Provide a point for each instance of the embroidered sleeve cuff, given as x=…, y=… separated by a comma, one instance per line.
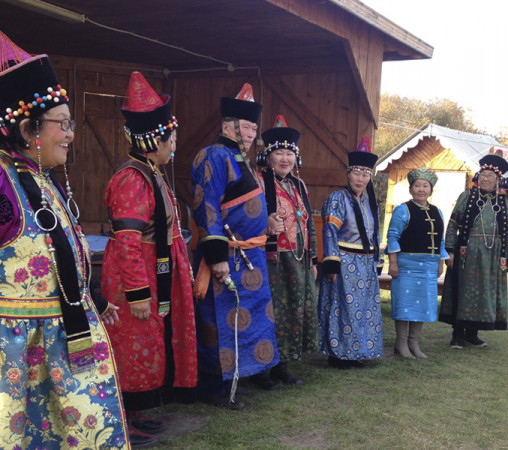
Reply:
x=138, y=295
x=331, y=264
x=215, y=249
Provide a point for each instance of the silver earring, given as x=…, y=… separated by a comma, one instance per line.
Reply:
x=27, y=144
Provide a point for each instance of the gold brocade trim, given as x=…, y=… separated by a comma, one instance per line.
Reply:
x=32, y=308
x=352, y=246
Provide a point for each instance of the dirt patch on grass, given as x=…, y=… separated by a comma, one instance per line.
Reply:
x=179, y=423
x=310, y=439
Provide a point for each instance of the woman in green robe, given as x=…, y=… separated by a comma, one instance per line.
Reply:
x=291, y=249
x=475, y=291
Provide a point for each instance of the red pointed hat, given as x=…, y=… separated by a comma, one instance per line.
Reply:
x=147, y=114
x=242, y=106
x=28, y=85
x=140, y=96
x=362, y=158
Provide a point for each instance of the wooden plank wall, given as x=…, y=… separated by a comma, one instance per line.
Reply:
x=364, y=48
x=323, y=104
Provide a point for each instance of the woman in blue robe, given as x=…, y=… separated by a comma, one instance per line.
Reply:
x=416, y=254
x=349, y=308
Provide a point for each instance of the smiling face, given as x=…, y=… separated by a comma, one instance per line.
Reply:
x=54, y=140
x=358, y=180
x=282, y=161
x=487, y=180
x=421, y=191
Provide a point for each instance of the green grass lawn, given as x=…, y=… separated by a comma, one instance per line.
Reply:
x=456, y=399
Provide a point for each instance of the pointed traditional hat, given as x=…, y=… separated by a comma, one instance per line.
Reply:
x=28, y=85
x=147, y=114
x=362, y=158
x=242, y=106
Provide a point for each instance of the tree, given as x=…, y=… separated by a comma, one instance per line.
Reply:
x=400, y=117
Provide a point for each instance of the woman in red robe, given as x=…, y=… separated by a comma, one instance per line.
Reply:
x=146, y=272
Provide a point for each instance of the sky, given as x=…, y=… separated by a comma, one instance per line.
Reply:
x=470, y=60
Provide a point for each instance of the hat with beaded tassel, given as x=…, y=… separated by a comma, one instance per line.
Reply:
x=28, y=85
x=280, y=136
x=147, y=114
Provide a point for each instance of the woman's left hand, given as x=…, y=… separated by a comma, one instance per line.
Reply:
x=110, y=316
x=275, y=224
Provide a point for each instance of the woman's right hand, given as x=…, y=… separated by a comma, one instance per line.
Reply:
x=393, y=269
x=140, y=310
x=220, y=271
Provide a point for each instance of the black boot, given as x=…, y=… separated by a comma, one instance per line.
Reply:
x=281, y=372
x=471, y=337
x=457, y=338
x=263, y=381
x=138, y=438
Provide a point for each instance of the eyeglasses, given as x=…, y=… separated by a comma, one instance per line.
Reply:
x=487, y=176
x=65, y=124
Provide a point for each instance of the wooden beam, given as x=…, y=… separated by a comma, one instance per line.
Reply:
x=318, y=13
x=360, y=85
x=314, y=123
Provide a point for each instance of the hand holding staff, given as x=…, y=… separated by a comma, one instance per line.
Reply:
x=240, y=250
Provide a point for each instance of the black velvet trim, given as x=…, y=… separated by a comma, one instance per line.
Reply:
x=95, y=292
x=226, y=142
x=472, y=325
x=74, y=317
x=315, y=261
x=215, y=250
x=128, y=224
x=330, y=266
x=137, y=295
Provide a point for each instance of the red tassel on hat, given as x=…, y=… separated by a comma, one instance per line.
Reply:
x=364, y=145
x=9, y=51
x=140, y=95
x=280, y=122
x=246, y=93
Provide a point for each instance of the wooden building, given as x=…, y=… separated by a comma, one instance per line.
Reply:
x=452, y=154
x=318, y=62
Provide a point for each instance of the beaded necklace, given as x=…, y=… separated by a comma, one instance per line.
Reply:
x=496, y=208
x=86, y=268
x=298, y=207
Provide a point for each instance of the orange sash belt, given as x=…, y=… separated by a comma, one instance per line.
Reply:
x=204, y=274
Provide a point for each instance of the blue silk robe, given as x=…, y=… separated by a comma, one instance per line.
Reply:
x=349, y=308
x=227, y=192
